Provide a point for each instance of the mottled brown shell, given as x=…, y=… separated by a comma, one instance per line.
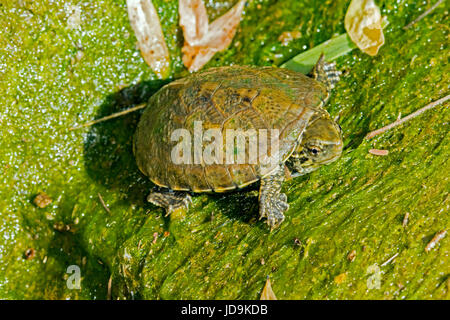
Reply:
x=235, y=97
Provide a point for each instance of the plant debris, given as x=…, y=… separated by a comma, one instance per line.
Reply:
x=437, y=237
x=147, y=28
x=405, y=220
x=201, y=39
x=61, y=226
x=42, y=200
x=378, y=152
x=103, y=203
x=399, y=121
x=389, y=260
x=267, y=293
x=423, y=15
x=331, y=49
x=111, y=116
x=351, y=256
x=363, y=23
x=29, y=254
x=340, y=278
x=288, y=36
x=108, y=295
x=155, y=237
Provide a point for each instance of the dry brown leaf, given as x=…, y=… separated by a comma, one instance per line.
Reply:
x=222, y=30
x=267, y=293
x=193, y=20
x=203, y=40
x=363, y=23
x=147, y=28
x=194, y=58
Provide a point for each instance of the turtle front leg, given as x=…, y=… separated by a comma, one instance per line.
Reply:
x=169, y=199
x=326, y=72
x=273, y=203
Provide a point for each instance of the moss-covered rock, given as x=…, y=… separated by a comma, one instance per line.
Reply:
x=59, y=69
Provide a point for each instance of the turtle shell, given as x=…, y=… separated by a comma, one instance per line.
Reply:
x=235, y=97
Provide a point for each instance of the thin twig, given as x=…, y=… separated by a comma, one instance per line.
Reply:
x=408, y=117
x=405, y=219
x=423, y=15
x=103, y=203
x=437, y=237
x=111, y=116
x=390, y=259
x=108, y=295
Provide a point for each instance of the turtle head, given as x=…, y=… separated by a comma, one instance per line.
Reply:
x=321, y=144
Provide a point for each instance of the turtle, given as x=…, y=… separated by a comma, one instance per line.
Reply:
x=287, y=103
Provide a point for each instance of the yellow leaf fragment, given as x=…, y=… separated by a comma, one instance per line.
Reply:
x=147, y=28
x=267, y=293
x=363, y=23
x=201, y=39
x=340, y=278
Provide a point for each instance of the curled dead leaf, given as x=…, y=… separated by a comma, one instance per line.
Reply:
x=201, y=39
x=147, y=28
x=267, y=293
x=363, y=23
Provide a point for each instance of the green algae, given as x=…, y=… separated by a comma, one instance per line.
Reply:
x=54, y=77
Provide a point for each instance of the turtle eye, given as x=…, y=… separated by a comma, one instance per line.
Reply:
x=314, y=150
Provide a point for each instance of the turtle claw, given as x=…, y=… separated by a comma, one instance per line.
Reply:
x=273, y=209
x=170, y=200
x=272, y=202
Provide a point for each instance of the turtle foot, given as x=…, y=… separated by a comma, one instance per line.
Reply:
x=326, y=72
x=170, y=200
x=273, y=208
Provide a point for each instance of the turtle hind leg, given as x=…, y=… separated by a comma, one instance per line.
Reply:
x=169, y=200
x=326, y=73
x=273, y=203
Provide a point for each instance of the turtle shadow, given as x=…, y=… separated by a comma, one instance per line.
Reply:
x=108, y=152
x=241, y=204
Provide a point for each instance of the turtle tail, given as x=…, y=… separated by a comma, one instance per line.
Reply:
x=326, y=72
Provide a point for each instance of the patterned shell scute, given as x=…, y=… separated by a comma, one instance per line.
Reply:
x=238, y=97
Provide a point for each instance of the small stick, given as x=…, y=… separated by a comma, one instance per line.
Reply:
x=111, y=116
x=408, y=117
x=438, y=237
x=103, y=203
x=423, y=15
x=405, y=219
x=390, y=259
x=108, y=295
